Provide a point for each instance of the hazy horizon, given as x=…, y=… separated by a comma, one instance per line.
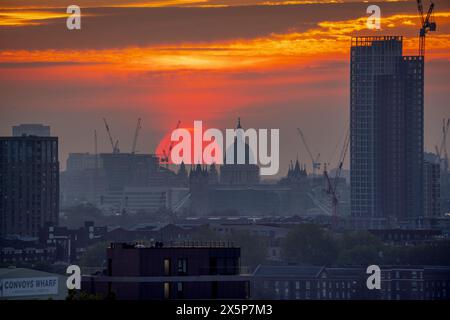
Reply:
x=274, y=66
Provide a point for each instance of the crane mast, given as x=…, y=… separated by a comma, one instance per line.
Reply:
x=95, y=152
x=166, y=155
x=426, y=25
x=115, y=146
x=445, y=129
x=315, y=161
x=332, y=185
x=136, y=134
x=441, y=150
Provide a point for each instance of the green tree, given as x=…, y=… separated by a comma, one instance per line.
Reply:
x=309, y=244
x=359, y=248
x=352, y=239
x=253, y=248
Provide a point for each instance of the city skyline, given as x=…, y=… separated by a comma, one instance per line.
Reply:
x=231, y=152
x=269, y=64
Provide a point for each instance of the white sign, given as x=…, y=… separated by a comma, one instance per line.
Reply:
x=28, y=286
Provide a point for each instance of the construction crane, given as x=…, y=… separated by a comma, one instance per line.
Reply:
x=115, y=146
x=166, y=155
x=332, y=185
x=136, y=134
x=314, y=160
x=96, y=152
x=441, y=150
x=428, y=24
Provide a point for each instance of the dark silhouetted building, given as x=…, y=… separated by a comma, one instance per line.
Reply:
x=83, y=181
x=29, y=184
x=136, y=182
x=407, y=237
x=237, y=189
x=71, y=244
x=15, y=252
x=128, y=169
x=209, y=198
x=309, y=283
x=431, y=186
x=246, y=173
x=173, y=272
x=349, y=283
x=386, y=150
x=31, y=130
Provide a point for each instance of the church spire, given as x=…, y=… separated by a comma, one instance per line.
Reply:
x=239, y=124
x=297, y=170
x=290, y=171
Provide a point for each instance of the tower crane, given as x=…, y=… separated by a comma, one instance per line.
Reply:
x=115, y=146
x=136, y=134
x=441, y=150
x=166, y=155
x=315, y=161
x=332, y=185
x=427, y=24
x=96, y=152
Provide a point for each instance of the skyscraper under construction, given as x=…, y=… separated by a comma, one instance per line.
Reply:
x=386, y=123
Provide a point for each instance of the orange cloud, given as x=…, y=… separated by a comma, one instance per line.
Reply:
x=296, y=2
x=161, y=3
x=20, y=18
x=329, y=38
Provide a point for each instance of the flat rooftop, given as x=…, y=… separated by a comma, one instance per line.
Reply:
x=174, y=245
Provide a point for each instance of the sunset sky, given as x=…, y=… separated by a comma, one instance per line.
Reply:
x=275, y=64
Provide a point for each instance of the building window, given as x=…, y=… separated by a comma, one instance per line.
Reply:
x=167, y=267
x=286, y=289
x=180, y=294
x=182, y=266
x=166, y=290
x=277, y=289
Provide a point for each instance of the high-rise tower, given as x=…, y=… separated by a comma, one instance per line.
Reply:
x=29, y=184
x=386, y=112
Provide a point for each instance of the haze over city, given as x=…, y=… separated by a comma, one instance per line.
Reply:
x=266, y=62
